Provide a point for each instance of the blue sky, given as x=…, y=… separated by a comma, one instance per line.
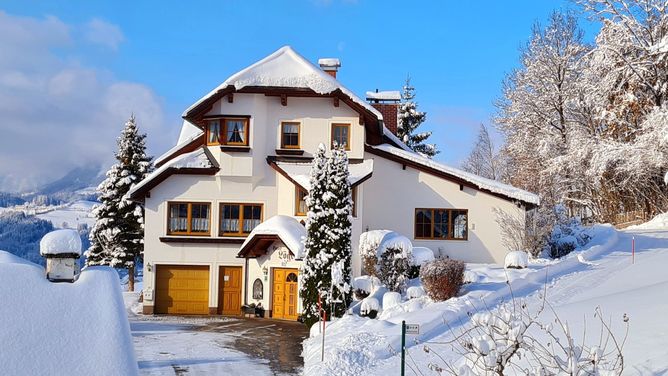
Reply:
x=457, y=52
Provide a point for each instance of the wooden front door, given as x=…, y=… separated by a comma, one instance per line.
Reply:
x=182, y=290
x=285, y=294
x=229, y=290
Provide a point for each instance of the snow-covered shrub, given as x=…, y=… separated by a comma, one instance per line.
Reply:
x=516, y=260
x=567, y=234
x=442, y=278
x=415, y=292
x=369, y=243
x=369, y=308
x=470, y=276
x=391, y=299
x=420, y=256
x=363, y=286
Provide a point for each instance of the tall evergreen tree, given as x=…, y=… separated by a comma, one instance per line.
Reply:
x=339, y=205
x=117, y=238
x=329, y=228
x=409, y=120
x=314, y=276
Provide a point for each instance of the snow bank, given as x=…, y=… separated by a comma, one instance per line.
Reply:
x=366, y=283
x=516, y=260
x=288, y=229
x=369, y=304
x=78, y=328
x=60, y=242
x=659, y=222
x=422, y=255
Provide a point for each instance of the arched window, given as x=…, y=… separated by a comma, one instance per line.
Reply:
x=258, y=289
x=292, y=277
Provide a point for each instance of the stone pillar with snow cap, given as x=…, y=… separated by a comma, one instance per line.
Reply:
x=61, y=249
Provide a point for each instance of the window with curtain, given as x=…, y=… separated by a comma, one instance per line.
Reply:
x=341, y=135
x=300, y=201
x=447, y=224
x=213, y=132
x=236, y=131
x=188, y=218
x=290, y=135
x=239, y=219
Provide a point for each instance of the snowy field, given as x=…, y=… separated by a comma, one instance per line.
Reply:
x=71, y=215
x=601, y=275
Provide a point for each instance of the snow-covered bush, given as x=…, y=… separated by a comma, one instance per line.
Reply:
x=415, y=292
x=369, y=243
x=420, y=256
x=391, y=299
x=516, y=260
x=442, y=278
x=567, y=234
x=514, y=340
x=363, y=286
x=369, y=308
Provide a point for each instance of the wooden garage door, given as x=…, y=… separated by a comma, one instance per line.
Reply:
x=182, y=289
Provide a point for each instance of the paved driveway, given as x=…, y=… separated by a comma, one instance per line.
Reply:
x=168, y=345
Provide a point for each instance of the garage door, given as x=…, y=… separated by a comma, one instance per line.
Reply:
x=182, y=290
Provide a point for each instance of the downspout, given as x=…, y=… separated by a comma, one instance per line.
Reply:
x=246, y=282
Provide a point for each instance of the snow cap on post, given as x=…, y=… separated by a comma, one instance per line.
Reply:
x=61, y=243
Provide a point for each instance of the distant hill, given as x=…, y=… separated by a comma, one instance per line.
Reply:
x=78, y=178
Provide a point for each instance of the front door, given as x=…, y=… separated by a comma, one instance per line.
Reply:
x=229, y=290
x=285, y=294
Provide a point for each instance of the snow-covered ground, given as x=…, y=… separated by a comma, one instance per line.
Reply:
x=601, y=275
x=69, y=215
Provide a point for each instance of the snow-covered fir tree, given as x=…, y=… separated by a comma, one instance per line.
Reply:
x=409, y=119
x=338, y=202
x=117, y=238
x=328, y=227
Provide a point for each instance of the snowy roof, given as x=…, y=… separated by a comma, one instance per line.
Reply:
x=300, y=171
x=189, y=133
x=383, y=95
x=198, y=159
x=329, y=62
x=286, y=68
x=287, y=229
x=482, y=183
x=60, y=242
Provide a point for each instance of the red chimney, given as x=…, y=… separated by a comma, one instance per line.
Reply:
x=330, y=65
x=387, y=103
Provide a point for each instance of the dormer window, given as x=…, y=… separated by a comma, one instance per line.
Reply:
x=341, y=135
x=227, y=131
x=290, y=135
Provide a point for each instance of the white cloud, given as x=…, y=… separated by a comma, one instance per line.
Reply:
x=55, y=113
x=103, y=33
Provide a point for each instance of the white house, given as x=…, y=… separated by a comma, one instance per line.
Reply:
x=213, y=239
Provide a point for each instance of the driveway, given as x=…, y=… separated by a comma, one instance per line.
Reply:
x=173, y=345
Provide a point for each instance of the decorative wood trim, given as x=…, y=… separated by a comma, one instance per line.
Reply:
x=336, y=101
x=289, y=152
x=230, y=98
x=284, y=99
x=183, y=239
x=441, y=174
x=235, y=149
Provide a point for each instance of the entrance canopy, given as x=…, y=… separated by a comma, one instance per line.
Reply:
x=281, y=227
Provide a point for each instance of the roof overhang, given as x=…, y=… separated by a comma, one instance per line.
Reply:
x=258, y=246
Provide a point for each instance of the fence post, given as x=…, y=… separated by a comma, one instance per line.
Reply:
x=403, y=347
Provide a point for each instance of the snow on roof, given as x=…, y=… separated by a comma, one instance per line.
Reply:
x=392, y=137
x=63, y=328
x=482, y=183
x=189, y=132
x=383, y=95
x=329, y=62
x=288, y=229
x=286, y=68
x=195, y=159
x=60, y=242
x=300, y=171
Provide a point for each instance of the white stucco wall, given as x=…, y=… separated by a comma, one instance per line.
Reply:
x=392, y=195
